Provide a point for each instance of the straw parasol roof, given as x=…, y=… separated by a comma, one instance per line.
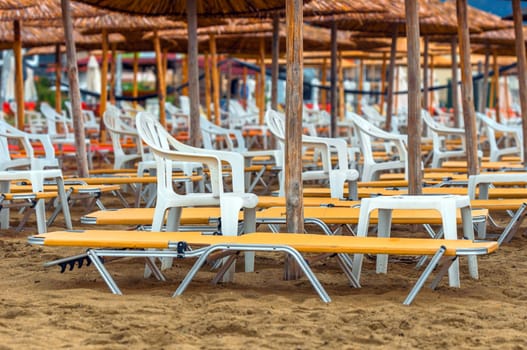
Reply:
x=479, y=18
x=120, y=22
x=15, y=4
x=30, y=36
x=433, y=19
x=505, y=37
x=177, y=8
x=46, y=9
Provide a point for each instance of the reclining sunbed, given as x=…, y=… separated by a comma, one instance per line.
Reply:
x=104, y=243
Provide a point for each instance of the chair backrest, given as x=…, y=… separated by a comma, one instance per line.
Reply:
x=89, y=119
x=31, y=160
x=216, y=137
x=511, y=142
x=53, y=118
x=121, y=129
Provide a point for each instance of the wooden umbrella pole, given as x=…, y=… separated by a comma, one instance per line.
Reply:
x=294, y=103
x=431, y=93
x=342, y=93
x=229, y=85
x=184, y=68
x=383, y=81
x=193, y=73
x=19, y=77
x=215, y=80
x=58, y=77
x=361, y=85
x=496, y=78
x=275, y=66
x=522, y=70
x=208, y=98
x=261, y=109
x=112, y=73
x=74, y=92
x=333, y=80
x=414, y=97
x=425, y=73
x=104, y=77
x=135, y=91
x=161, y=91
x=506, y=105
x=485, y=88
x=467, y=90
x=454, y=82
x=323, y=81
x=244, y=82
x=391, y=75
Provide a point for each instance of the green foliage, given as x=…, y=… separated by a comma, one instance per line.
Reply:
x=44, y=92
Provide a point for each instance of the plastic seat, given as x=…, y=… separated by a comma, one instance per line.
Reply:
x=325, y=146
x=440, y=134
x=31, y=160
x=90, y=121
x=167, y=149
x=511, y=140
x=393, y=143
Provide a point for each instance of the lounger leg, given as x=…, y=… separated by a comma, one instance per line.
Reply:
x=345, y=263
x=249, y=222
x=103, y=272
x=513, y=225
x=424, y=276
x=155, y=270
x=292, y=252
x=468, y=233
x=442, y=272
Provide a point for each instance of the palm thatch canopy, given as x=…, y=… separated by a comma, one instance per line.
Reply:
x=333, y=7
x=505, y=37
x=16, y=4
x=478, y=18
x=30, y=36
x=120, y=22
x=177, y=8
x=435, y=18
x=47, y=9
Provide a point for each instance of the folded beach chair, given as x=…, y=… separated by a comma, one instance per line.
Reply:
x=104, y=243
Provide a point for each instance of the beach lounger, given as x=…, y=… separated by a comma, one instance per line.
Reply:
x=103, y=243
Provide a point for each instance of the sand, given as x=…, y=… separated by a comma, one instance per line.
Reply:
x=42, y=308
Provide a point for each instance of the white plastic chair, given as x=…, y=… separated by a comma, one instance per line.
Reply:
x=336, y=176
x=511, y=140
x=394, y=143
x=167, y=149
x=90, y=121
x=31, y=161
x=36, y=123
x=440, y=134
x=121, y=131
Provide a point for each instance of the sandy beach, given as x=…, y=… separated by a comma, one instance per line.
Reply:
x=42, y=308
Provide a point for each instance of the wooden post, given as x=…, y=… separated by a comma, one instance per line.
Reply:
x=229, y=85
x=333, y=80
x=208, y=99
x=244, y=82
x=414, y=98
x=261, y=110
x=485, y=89
x=522, y=70
x=184, y=68
x=215, y=80
x=74, y=92
x=425, y=74
x=104, y=79
x=19, y=77
x=391, y=75
x=467, y=92
x=135, y=90
x=323, y=82
x=58, y=77
x=383, y=82
x=161, y=86
x=506, y=105
x=431, y=93
x=454, y=82
x=342, y=101
x=112, y=73
x=361, y=85
x=293, y=127
x=193, y=73
x=496, y=79
x=275, y=66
